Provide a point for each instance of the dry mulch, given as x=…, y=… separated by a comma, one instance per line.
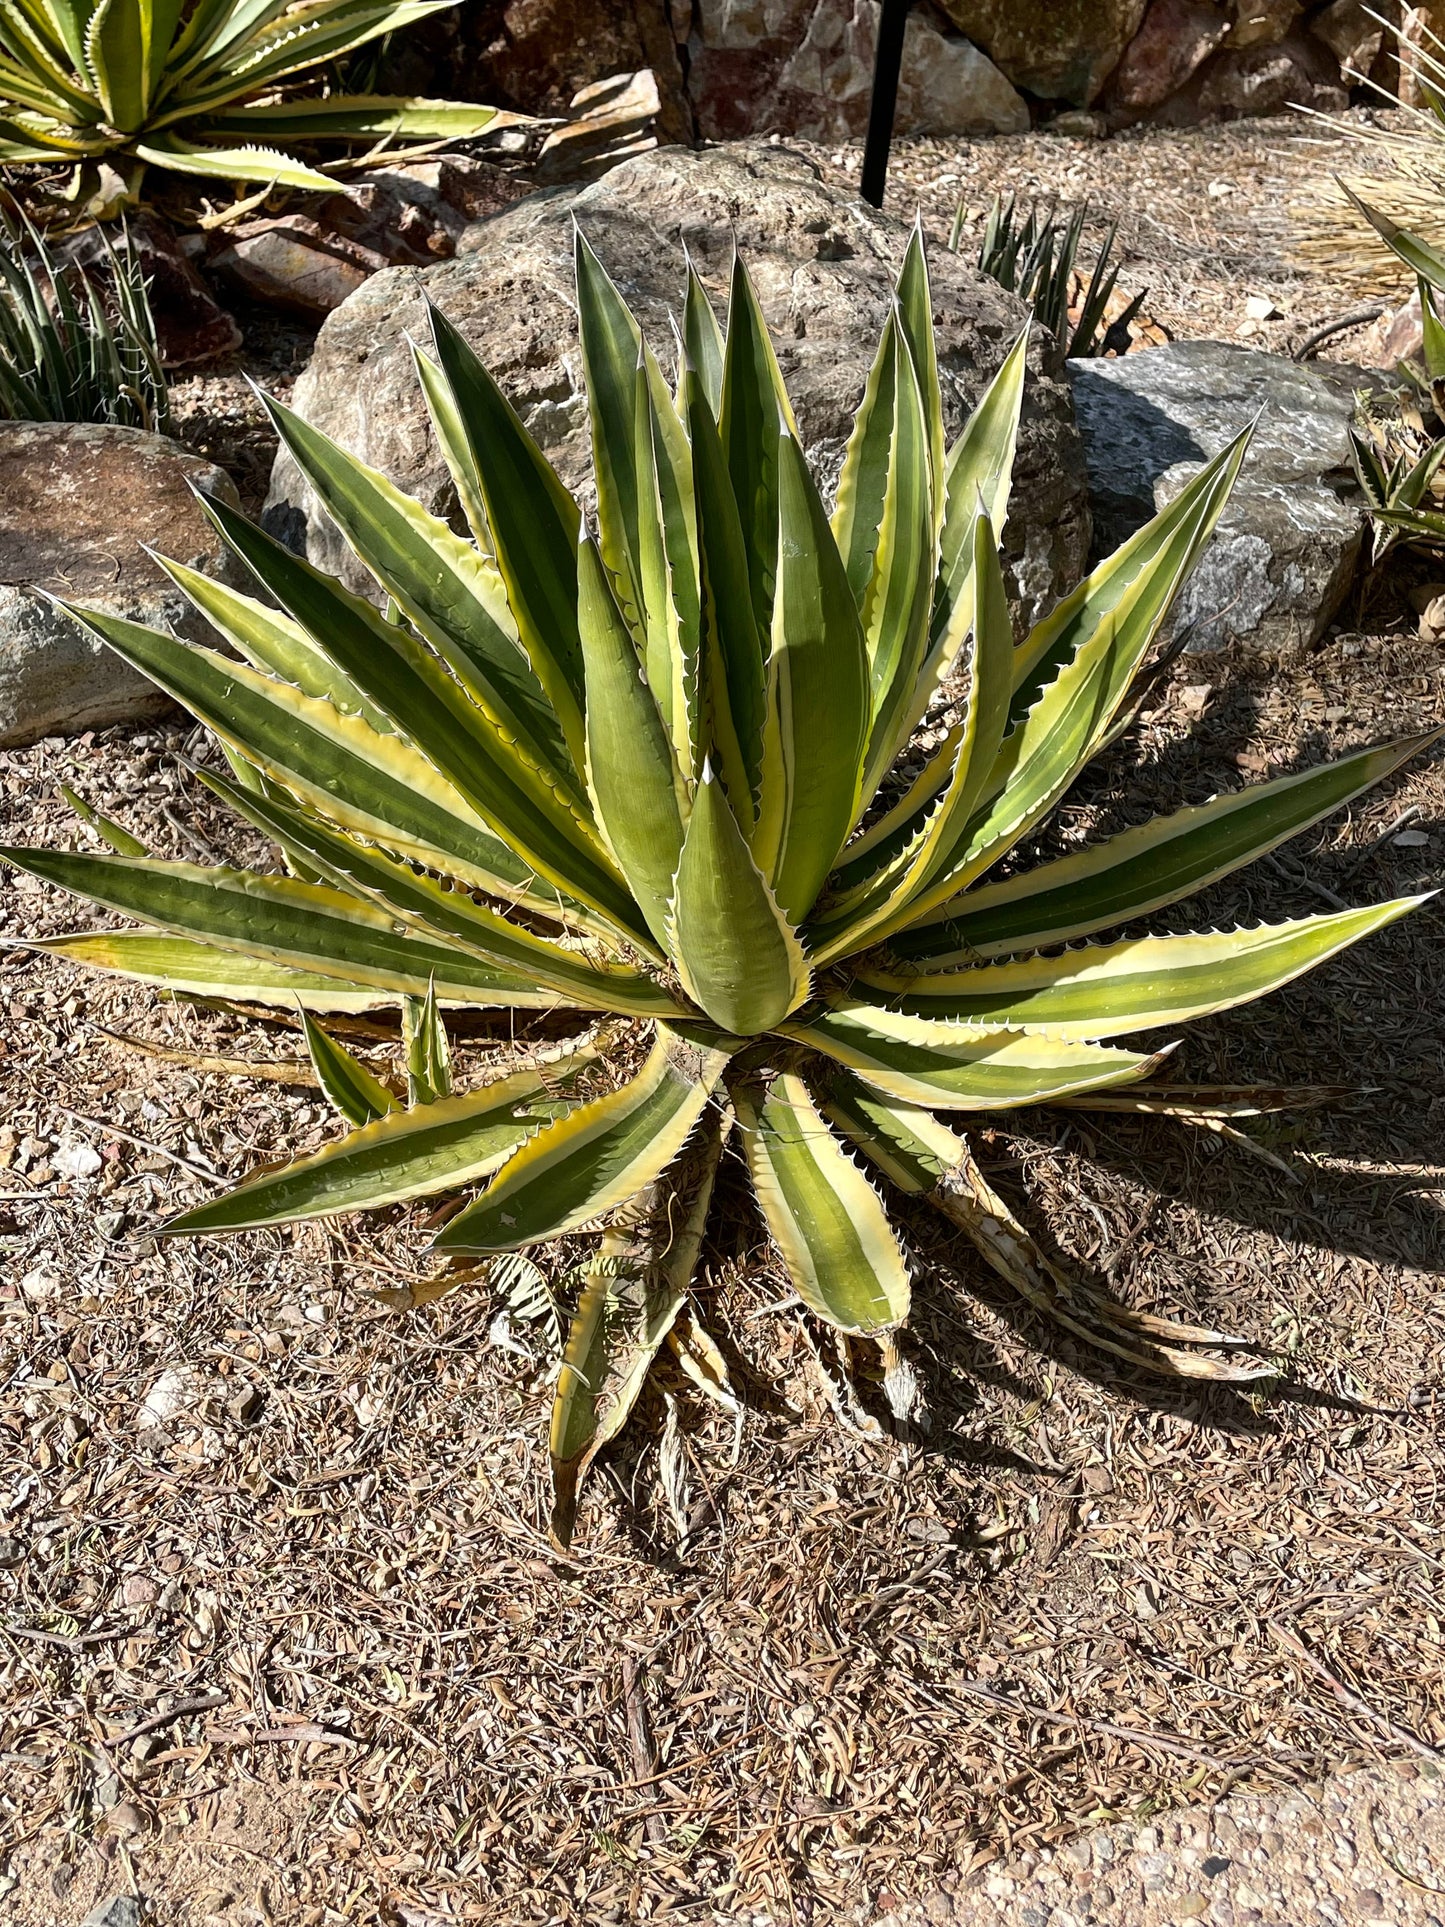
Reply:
x=281, y=1635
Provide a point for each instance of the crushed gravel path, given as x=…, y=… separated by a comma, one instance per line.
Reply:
x=1368, y=1847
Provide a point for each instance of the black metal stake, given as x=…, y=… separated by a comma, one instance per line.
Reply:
x=887, y=63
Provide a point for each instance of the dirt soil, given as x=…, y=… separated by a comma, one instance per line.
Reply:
x=282, y=1635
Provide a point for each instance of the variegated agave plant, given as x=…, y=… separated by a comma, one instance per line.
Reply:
x=199, y=86
x=654, y=773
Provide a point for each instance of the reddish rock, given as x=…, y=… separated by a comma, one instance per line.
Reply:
x=1299, y=72
x=295, y=264
x=1177, y=37
x=609, y=122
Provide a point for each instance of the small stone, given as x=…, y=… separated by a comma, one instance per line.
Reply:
x=1215, y=1865
x=177, y=1391
x=1191, y=1907
x=1146, y=1840
x=938, y=1906
x=12, y=1551
x=123, y=1910
x=1078, y=1852
x=77, y=1160
x=1270, y=1841
x=1259, y=307
x=1369, y=1903
x=246, y=1404
x=137, y=1590
x=126, y=1819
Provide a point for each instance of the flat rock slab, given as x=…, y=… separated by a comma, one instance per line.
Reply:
x=824, y=266
x=1289, y=541
x=78, y=502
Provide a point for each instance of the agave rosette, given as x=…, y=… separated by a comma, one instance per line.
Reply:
x=203, y=88
x=649, y=771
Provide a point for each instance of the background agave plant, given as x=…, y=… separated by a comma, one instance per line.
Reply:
x=195, y=88
x=72, y=352
x=650, y=772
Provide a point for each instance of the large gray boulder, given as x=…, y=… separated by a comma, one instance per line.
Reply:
x=78, y=504
x=824, y=265
x=1288, y=543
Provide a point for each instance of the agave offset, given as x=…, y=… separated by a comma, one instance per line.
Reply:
x=201, y=88
x=650, y=770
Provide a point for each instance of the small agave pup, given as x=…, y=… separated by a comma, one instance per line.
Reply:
x=649, y=772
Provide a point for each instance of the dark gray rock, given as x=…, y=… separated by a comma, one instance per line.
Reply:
x=824, y=265
x=1287, y=546
x=77, y=502
x=123, y=1910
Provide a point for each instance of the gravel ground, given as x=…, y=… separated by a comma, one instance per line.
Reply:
x=1367, y=1847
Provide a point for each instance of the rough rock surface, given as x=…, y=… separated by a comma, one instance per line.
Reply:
x=1287, y=545
x=823, y=263
x=535, y=55
x=1060, y=50
x=1176, y=38
x=77, y=502
x=805, y=67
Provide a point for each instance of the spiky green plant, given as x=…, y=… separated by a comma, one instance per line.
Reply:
x=201, y=86
x=651, y=772
x=71, y=351
x=1034, y=256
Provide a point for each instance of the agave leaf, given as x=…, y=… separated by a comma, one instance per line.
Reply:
x=428, y=1050
x=734, y=687
x=354, y=1091
x=372, y=784
x=1073, y=715
x=924, y=1157
x=734, y=950
x=434, y=912
x=349, y=117
x=533, y=523
x=1142, y=869
x=120, y=840
x=452, y=595
x=754, y=408
x=885, y=901
x=817, y=717
x=612, y=348
x=115, y=53
x=404, y=1155
x=915, y=317
x=1212, y=1100
x=473, y=747
x=598, y=1156
x=703, y=344
x=1142, y=575
x=1427, y=262
x=450, y=430
x=262, y=164
x=201, y=970
x=825, y=1217
x=884, y=527
x=669, y=578
x=281, y=920
x=1106, y=990
x=271, y=641
x=632, y=774
x=953, y=1069
x=632, y=1295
